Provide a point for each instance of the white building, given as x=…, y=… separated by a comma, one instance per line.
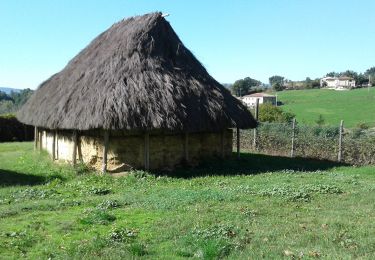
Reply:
x=337, y=83
x=250, y=100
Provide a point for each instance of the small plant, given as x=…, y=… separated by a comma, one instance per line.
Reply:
x=97, y=217
x=82, y=169
x=122, y=234
x=138, y=249
x=99, y=191
x=320, y=121
x=33, y=193
x=108, y=204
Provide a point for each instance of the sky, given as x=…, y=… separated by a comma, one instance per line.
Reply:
x=232, y=39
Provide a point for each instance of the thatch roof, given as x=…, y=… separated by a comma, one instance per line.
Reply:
x=137, y=75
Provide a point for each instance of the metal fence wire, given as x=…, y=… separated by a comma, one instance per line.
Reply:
x=318, y=142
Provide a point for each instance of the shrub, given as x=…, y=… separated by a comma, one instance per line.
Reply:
x=270, y=113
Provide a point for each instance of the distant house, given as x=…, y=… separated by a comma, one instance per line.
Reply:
x=337, y=83
x=250, y=100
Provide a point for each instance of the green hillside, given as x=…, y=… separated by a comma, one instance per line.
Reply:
x=354, y=107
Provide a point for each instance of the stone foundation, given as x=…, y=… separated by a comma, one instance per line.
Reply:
x=127, y=150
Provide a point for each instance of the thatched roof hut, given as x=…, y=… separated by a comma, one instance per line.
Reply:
x=136, y=77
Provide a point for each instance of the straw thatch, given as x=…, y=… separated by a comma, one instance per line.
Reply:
x=137, y=75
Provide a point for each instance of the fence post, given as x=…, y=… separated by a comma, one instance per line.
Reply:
x=339, y=156
x=256, y=114
x=293, y=136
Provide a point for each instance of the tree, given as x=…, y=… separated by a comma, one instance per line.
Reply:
x=332, y=74
x=361, y=80
x=270, y=113
x=277, y=82
x=370, y=74
x=244, y=86
x=12, y=102
x=20, y=98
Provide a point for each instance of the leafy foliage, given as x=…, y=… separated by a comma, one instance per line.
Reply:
x=277, y=82
x=245, y=86
x=270, y=113
x=12, y=102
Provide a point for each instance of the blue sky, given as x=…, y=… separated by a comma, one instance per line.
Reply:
x=233, y=39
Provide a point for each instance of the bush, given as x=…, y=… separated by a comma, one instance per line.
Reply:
x=270, y=113
x=13, y=130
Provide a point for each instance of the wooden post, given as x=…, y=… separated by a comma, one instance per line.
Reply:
x=36, y=138
x=57, y=144
x=147, y=151
x=54, y=145
x=186, y=147
x=40, y=140
x=339, y=156
x=105, y=150
x=75, y=141
x=238, y=142
x=256, y=114
x=293, y=136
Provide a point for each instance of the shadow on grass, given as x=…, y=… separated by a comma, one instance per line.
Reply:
x=11, y=178
x=249, y=164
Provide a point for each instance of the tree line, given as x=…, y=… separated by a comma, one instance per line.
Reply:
x=11, y=103
x=249, y=85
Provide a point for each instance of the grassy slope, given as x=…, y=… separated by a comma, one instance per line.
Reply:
x=355, y=106
x=264, y=207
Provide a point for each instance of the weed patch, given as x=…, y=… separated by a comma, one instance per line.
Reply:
x=94, y=216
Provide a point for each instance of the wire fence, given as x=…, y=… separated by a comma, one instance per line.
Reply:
x=356, y=147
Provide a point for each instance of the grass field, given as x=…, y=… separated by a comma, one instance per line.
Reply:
x=354, y=106
x=258, y=207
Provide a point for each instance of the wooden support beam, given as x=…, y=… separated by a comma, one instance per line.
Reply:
x=105, y=150
x=186, y=147
x=339, y=155
x=238, y=142
x=40, y=139
x=54, y=145
x=147, y=151
x=75, y=142
x=57, y=145
x=36, y=138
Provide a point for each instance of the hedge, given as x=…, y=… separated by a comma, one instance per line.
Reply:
x=13, y=130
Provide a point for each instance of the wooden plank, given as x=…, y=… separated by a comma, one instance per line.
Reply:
x=57, y=145
x=105, y=150
x=54, y=145
x=238, y=142
x=186, y=147
x=36, y=138
x=339, y=155
x=75, y=141
x=147, y=151
x=40, y=140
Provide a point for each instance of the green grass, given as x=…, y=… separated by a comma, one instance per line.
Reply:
x=354, y=106
x=258, y=207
